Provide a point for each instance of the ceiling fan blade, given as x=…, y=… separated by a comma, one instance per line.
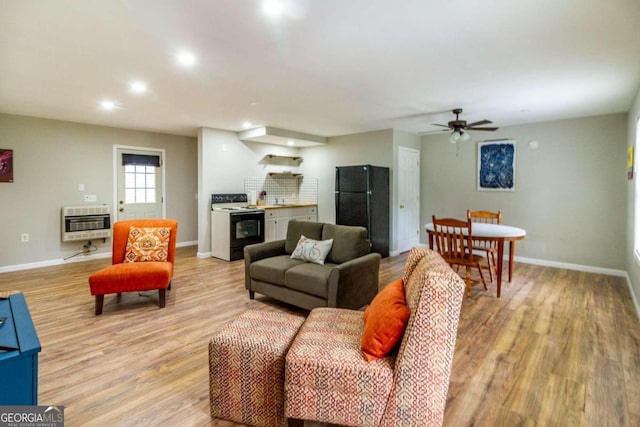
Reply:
x=481, y=122
x=437, y=124
x=468, y=128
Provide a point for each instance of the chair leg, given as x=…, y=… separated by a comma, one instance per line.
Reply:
x=162, y=296
x=252, y=295
x=484, y=282
x=99, y=302
x=169, y=287
x=491, y=265
x=467, y=280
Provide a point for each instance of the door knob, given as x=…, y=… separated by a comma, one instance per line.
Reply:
x=401, y=206
x=121, y=202
x=121, y=209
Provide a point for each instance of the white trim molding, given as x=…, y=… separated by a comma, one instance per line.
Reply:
x=80, y=258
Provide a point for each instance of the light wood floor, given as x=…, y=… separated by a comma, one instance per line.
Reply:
x=558, y=348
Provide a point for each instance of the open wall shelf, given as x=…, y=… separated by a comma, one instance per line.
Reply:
x=285, y=174
x=278, y=156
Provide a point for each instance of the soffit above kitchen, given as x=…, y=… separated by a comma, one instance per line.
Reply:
x=271, y=135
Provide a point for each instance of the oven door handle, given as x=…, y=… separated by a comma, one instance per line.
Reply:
x=246, y=213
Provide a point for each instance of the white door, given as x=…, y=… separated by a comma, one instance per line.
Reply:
x=408, y=198
x=139, y=187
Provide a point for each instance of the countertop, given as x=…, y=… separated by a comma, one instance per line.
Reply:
x=293, y=205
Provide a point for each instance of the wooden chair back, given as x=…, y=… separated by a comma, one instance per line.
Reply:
x=453, y=239
x=486, y=217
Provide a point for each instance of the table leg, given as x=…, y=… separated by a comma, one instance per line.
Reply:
x=499, y=268
x=512, y=250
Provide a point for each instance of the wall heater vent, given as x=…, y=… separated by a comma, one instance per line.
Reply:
x=85, y=222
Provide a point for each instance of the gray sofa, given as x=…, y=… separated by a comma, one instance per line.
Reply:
x=348, y=278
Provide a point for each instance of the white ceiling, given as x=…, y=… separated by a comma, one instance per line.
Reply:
x=328, y=67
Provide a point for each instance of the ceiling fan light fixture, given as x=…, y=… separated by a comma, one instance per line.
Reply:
x=459, y=135
x=455, y=137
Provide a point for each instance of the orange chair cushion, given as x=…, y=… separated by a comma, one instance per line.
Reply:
x=147, y=244
x=384, y=321
x=130, y=277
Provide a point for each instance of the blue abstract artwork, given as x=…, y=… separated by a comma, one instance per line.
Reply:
x=496, y=165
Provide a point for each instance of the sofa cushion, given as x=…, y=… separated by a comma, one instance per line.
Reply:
x=272, y=270
x=309, y=278
x=326, y=376
x=131, y=276
x=295, y=229
x=349, y=242
x=311, y=250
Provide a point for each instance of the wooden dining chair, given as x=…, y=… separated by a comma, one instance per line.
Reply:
x=490, y=248
x=452, y=241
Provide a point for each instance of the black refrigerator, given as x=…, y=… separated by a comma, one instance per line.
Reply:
x=362, y=198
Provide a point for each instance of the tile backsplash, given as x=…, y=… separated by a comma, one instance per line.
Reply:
x=285, y=188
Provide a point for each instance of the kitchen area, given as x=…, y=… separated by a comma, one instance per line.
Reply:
x=263, y=210
x=302, y=179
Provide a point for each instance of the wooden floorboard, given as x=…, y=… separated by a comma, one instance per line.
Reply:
x=559, y=347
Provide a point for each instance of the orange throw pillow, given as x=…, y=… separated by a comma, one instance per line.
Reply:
x=147, y=244
x=384, y=321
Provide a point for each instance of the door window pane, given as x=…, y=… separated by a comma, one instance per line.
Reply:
x=140, y=184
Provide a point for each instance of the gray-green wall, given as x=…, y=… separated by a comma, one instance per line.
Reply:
x=51, y=159
x=570, y=193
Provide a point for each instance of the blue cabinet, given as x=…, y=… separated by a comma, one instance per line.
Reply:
x=19, y=348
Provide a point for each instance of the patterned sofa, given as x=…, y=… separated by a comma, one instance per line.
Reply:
x=328, y=380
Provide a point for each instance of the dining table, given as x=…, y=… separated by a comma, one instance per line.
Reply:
x=498, y=233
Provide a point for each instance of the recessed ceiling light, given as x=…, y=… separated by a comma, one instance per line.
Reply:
x=273, y=8
x=108, y=105
x=246, y=125
x=291, y=142
x=138, y=87
x=186, y=59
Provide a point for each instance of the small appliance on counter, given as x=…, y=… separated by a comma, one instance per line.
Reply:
x=234, y=225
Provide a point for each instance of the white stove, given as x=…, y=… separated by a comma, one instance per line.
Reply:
x=234, y=225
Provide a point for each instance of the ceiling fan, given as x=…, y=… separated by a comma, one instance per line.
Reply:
x=460, y=128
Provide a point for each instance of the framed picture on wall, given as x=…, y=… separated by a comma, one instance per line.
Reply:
x=497, y=165
x=6, y=165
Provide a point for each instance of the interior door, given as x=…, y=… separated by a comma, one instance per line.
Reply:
x=408, y=198
x=139, y=187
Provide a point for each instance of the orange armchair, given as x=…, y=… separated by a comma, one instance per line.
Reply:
x=124, y=276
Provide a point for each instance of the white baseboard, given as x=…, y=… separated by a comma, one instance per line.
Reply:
x=633, y=296
x=51, y=262
x=569, y=266
x=203, y=254
x=79, y=258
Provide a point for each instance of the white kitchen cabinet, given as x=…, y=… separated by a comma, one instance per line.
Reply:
x=277, y=220
x=270, y=229
x=312, y=213
x=306, y=214
x=283, y=223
